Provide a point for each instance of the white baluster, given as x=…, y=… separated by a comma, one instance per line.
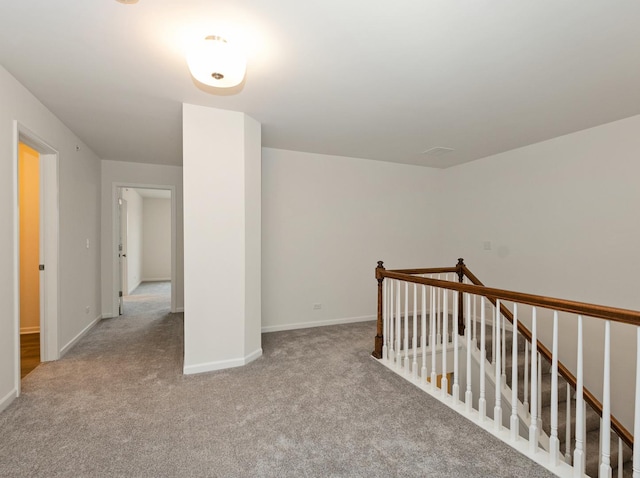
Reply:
x=475, y=320
x=414, y=340
x=385, y=318
x=390, y=354
x=444, y=383
x=636, y=416
x=468, y=396
x=398, y=326
x=504, y=347
x=584, y=428
x=482, y=402
x=514, y=425
x=497, y=409
x=620, y=458
x=605, y=431
x=495, y=341
x=539, y=392
x=525, y=402
x=434, y=339
x=578, y=453
x=438, y=318
x=599, y=443
x=533, y=426
x=456, y=384
x=554, y=442
x=423, y=342
x=567, y=440
x=405, y=364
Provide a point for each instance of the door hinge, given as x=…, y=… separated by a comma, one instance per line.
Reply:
x=119, y=293
x=41, y=267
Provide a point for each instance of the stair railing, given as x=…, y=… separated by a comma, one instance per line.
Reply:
x=431, y=309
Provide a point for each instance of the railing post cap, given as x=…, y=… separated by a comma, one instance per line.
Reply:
x=379, y=270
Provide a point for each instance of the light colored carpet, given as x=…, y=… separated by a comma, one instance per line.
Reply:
x=314, y=405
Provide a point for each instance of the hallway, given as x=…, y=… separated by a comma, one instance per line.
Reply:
x=149, y=298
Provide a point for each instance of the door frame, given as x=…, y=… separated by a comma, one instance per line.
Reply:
x=49, y=245
x=123, y=237
x=115, y=229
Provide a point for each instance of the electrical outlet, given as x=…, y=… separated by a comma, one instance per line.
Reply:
x=317, y=306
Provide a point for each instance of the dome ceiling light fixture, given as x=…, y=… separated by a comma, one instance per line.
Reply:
x=127, y=2
x=215, y=62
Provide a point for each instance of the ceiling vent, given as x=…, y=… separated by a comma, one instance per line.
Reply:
x=437, y=151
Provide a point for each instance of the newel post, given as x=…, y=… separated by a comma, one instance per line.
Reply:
x=377, y=352
x=460, y=271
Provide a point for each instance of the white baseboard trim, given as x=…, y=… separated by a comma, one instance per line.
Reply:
x=82, y=333
x=156, y=279
x=8, y=399
x=109, y=315
x=179, y=309
x=320, y=323
x=222, y=364
x=253, y=355
x=29, y=330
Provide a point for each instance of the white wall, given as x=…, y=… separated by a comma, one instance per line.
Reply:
x=221, y=166
x=253, y=234
x=130, y=173
x=135, y=213
x=327, y=220
x=156, y=239
x=562, y=217
x=79, y=213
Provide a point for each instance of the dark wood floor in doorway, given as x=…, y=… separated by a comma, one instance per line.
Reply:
x=29, y=353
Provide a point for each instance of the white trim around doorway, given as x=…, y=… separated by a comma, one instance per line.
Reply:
x=114, y=240
x=49, y=246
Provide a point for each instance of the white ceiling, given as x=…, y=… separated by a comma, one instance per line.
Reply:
x=362, y=78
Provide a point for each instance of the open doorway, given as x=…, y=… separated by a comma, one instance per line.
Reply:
x=35, y=251
x=29, y=206
x=146, y=243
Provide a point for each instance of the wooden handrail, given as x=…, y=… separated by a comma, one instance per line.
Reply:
x=593, y=402
x=614, y=314
x=432, y=270
x=625, y=316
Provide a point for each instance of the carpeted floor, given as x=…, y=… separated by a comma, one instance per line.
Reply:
x=315, y=405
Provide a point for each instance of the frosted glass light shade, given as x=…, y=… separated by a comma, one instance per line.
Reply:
x=215, y=62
